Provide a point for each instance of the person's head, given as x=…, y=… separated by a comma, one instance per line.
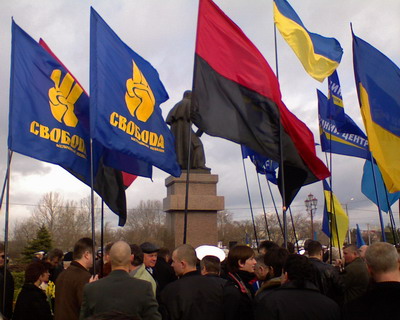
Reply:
x=150, y=252
x=83, y=252
x=382, y=258
x=37, y=272
x=107, y=249
x=184, y=259
x=306, y=246
x=137, y=254
x=241, y=258
x=187, y=94
x=290, y=247
x=2, y=256
x=165, y=254
x=54, y=257
x=210, y=265
x=260, y=269
x=315, y=249
x=266, y=245
x=274, y=260
x=297, y=269
x=350, y=253
x=362, y=250
x=120, y=254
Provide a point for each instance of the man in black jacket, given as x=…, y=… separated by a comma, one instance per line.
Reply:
x=192, y=296
x=355, y=276
x=119, y=291
x=327, y=277
x=381, y=300
x=298, y=298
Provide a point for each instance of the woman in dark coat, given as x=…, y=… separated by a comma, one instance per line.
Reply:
x=239, y=291
x=32, y=301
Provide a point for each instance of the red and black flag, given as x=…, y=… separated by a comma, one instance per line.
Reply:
x=236, y=96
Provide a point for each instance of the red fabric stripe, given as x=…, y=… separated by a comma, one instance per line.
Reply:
x=128, y=179
x=230, y=53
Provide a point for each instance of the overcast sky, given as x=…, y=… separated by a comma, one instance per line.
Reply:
x=163, y=32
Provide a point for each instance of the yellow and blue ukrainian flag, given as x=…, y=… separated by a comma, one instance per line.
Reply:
x=320, y=56
x=378, y=86
x=374, y=189
x=334, y=213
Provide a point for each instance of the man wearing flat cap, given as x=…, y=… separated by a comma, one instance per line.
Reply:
x=150, y=251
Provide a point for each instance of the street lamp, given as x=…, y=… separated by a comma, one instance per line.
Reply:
x=311, y=206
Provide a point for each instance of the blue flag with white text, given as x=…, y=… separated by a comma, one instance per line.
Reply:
x=126, y=94
x=343, y=138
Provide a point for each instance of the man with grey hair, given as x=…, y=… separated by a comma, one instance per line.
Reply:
x=381, y=301
x=192, y=296
x=119, y=291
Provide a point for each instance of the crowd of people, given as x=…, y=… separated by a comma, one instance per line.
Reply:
x=147, y=282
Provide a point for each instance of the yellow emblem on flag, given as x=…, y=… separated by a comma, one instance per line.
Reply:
x=62, y=97
x=139, y=97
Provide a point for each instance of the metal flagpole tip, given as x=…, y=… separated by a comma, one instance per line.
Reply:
x=206, y=250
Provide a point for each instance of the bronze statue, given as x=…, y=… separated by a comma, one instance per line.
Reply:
x=179, y=120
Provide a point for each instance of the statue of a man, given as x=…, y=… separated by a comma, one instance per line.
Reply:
x=179, y=120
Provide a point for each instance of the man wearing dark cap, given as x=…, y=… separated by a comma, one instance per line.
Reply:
x=150, y=251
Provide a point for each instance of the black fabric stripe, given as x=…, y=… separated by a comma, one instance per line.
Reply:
x=226, y=109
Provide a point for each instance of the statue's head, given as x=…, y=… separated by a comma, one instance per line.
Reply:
x=187, y=94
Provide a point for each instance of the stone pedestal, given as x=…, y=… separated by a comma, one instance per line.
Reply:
x=203, y=204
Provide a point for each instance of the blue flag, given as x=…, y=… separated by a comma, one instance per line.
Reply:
x=343, y=138
x=368, y=184
x=263, y=164
x=378, y=82
x=126, y=94
x=49, y=119
x=335, y=100
x=360, y=240
x=45, y=102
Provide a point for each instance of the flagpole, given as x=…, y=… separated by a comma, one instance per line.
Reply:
x=185, y=216
x=102, y=238
x=92, y=206
x=262, y=201
x=6, y=226
x=273, y=201
x=281, y=169
x=332, y=213
x=294, y=229
x=251, y=207
x=5, y=183
x=377, y=198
